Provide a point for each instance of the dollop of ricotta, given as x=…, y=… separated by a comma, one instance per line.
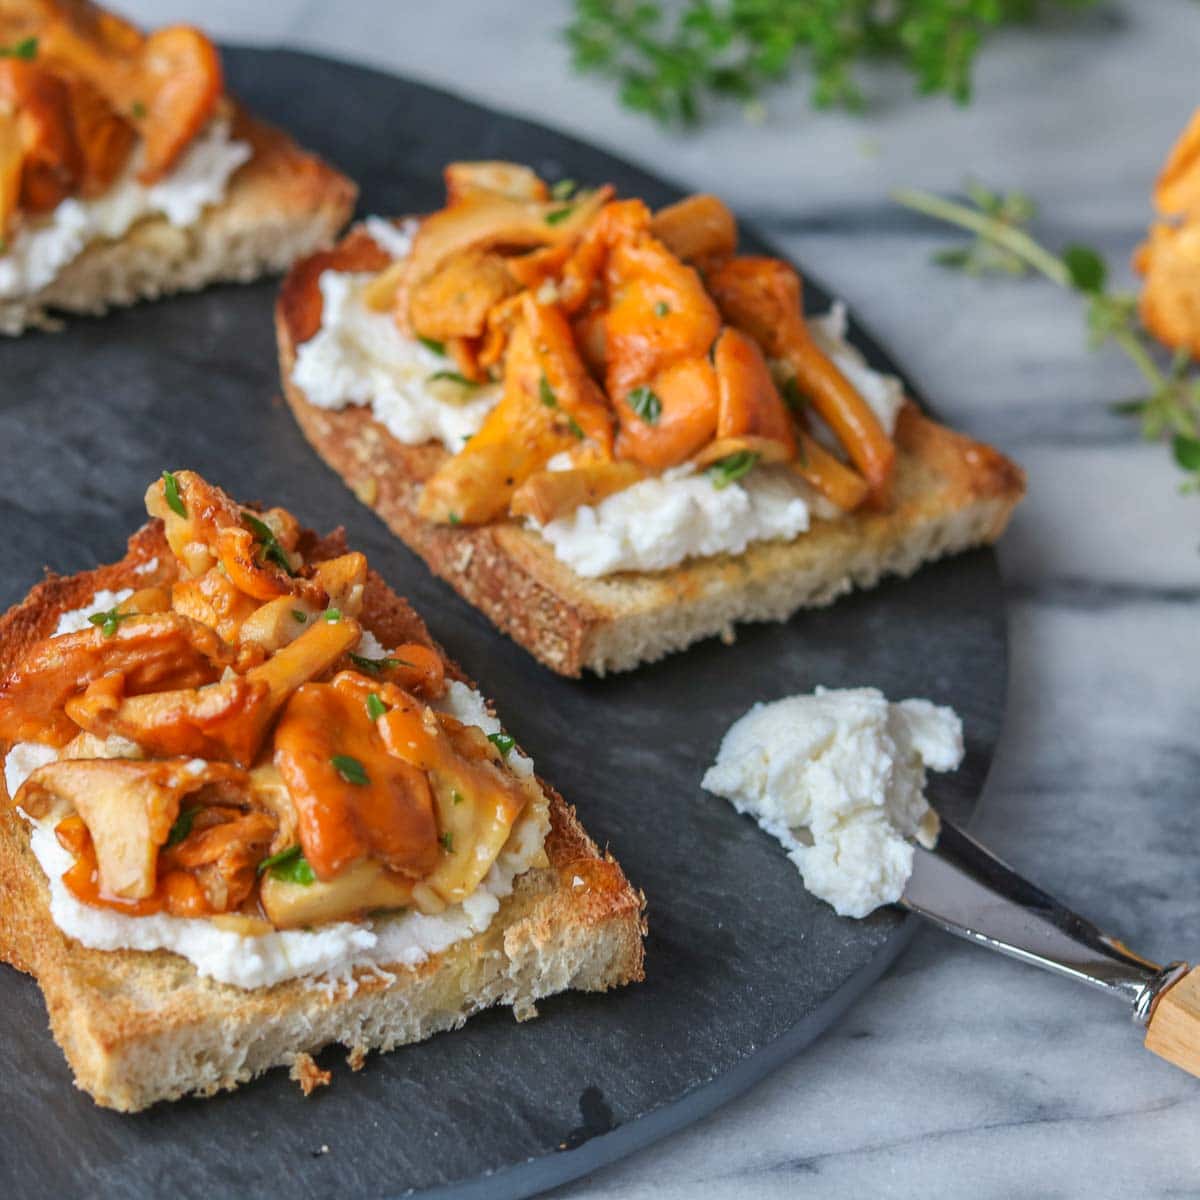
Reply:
x=838, y=778
x=77, y=618
x=329, y=954
x=38, y=251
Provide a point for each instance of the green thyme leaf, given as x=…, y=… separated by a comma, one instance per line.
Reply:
x=646, y=404
x=731, y=468
x=108, y=621
x=433, y=344
x=26, y=49
x=564, y=189
x=181, y=828
x=793, y=397
x=375, y=707
x=289, y=866
x=452, y=377
x=373, y=666
x=557, y=215
x=546, y=393
x=1086, y=268
x=456, y=796
x=575, y=428
x=455, y=519
x=171, y=491
x=271, y=550
x=447, y=840
x=661, y=308
x=332, y=616
x=502, y=742
x=137, y=110
x=350, y=769
x=299, y=616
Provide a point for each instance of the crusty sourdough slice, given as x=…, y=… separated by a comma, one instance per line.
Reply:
x=138, y=1027
x=951, y=493
x=281, y=204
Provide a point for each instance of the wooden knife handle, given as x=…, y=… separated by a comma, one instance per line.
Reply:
x=1174, y=1029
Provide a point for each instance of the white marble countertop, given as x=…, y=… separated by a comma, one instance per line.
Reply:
x=959, y=1072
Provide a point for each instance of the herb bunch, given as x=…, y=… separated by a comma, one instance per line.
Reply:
x=669, y=58
x=1170, y=406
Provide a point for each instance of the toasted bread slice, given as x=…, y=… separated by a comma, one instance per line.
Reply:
x=138, y=1027
x=283, y=203
x=951, y=493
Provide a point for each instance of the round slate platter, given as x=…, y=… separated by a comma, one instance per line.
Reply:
x=743, y=968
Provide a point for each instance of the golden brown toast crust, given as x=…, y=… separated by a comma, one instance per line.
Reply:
x=951, y=493
x=137, y=1027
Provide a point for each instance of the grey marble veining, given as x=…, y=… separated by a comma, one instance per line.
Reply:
x=958, y=1071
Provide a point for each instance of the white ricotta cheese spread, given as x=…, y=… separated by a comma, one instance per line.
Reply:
x=360, y=357
x=838, y=778
x=38, y=252
x=331, y=950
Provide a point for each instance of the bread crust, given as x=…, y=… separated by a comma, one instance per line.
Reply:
x=951, y=493
x=139, y=1027
x=282, y=204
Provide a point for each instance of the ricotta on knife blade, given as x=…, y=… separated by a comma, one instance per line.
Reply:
x=838, y=778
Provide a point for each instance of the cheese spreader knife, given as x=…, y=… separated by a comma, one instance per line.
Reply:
x=966, y=890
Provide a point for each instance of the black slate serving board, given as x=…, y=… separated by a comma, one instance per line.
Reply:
x=743, y=968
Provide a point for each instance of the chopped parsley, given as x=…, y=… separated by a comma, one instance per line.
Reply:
x=455, y=518
x=456, y=796
x=332, y=615
x=433, y=344
x=452, y=377
x=272, y=551
x=171, y=491
x=574, y=426
x=373, y=666
x=350, y=769
x=502, y=742
x=546, y=393
x=375, y=707
x=646, y=404
x=447, y=840
x=557, y=215
x=289, y=866
x=300, y=617
x=26, y=48
x=137, y=110
x=661, y=308
x=731, y=468
x=564, y=189
x=107, y=622
x=181, y=828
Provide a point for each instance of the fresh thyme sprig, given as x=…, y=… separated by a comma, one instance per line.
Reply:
x=1170, y=406
x=669, y=58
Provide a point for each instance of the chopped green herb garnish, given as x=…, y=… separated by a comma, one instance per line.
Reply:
x=455, y=518
x=502, y=742
x=456, y=796
x=433, y=344
x=181, y=828
x=645, y=403
x=557, y=215
x=375, y=707
x=452, y=377
x=137, y=110
x=301, y=617
x=332, y=615
x=373, y=666
x=661, y=308
x=546, y=393
x=447, y=840
x=272, y=551
x=792, y=396
x=564, y=189
x=350, y=769
x=108, y=621
x=171, y=490
x=289, y=866
x=26, y=48
x=731, y=468
x=577, y=429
